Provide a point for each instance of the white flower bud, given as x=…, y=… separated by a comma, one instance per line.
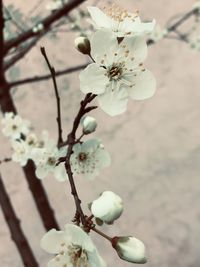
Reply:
x=129, y=249
x=89, y=125
x=82, y=44
x=108, y=207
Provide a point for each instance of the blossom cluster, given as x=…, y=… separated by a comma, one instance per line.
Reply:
x=118, y=49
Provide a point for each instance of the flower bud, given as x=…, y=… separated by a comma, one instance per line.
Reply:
x=82, y=44
x=108, y=207
x=129, y=249
x=89, y=125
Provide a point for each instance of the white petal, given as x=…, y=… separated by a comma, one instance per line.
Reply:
x=101, y=19
x=145, y=86
x=95, y=260
x=137, y=48
x=103, y=47
x=41, y=172
x=114, y=102
x=93, y=79
x=60, y=261
x=60, y=173
x=78, y=237
x=52, y=240
x=103, y=157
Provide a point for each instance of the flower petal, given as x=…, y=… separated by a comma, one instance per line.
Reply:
x=101, y=19
x=52, y=240
x=145, y=86
x=60, y=261
x=60, y=173
x=114, y=102
x=93, y=79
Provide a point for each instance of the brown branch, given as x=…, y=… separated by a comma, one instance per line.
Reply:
x=71, y=141
x=5, y=160
x=16, y=231
x=47, y=76
x=46, y=22
x=53, y=75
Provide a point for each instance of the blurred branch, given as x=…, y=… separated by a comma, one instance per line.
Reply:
x=46, y=22
x=16, y=232
x=5, y=160
x=47, y=76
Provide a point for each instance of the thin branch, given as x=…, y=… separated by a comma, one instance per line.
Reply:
x=16, y=231
x=47, y=76
x=46, y=22
x=71, y=141
x=5, y=160
x=53, y=75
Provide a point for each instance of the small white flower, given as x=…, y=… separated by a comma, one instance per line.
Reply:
x=38, y=28
x=118, y=72
x=130, y=249
x=14, y=126
x=120, y=22
x=196, y=5
x=88, y=158
x=108, y=207
x=158, y=33
x=89, y=124
x=46, y=159
x=20, y=152
x=73, y=248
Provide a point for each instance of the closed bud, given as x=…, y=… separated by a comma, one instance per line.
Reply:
x=129, y=249
x=82, y=44
x=89, y=125
x=108, y=207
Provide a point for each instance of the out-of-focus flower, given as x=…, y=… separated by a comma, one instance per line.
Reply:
x=130, y=249
x=89, y=124
x=119, y=21
x=20, y=152
x=54, y=5
x=46, y=159
x=89, y=158
x=14, y=126
x=118, y=72
x=73, y=248
x=38, y=28
x=108, y=207
x=158, y=33
x=194, y=43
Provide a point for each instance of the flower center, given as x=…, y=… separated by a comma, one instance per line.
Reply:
x=115, y=72
x=51, y=161
x=119, y=14
x=78, y=256
x=82, y=156
x=14, y=127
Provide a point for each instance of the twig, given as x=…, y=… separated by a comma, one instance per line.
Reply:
x=46, y=22
x=53, y=75
x=47, y=76
x=5, y=160
x=16, y=232
x=71, y=140
x=101, y=234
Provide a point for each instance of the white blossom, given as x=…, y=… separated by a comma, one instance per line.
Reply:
x=108, y=207
x=118, y=72
x=46, y=159
x=119, y=21
x=130, y=249
x=14, y=126
x=89, y=158
x=89, y=124
x=20, y=152
x=73, y=247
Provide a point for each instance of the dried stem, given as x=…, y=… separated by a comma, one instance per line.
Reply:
x=53, y=75
x=16, y=232
x=101, y=234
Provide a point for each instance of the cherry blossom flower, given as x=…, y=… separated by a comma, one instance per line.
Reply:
x=73, y=247
x=158, y=33
x=118, y=72
x=14, y=126
x=88, y=158
x=46, y=159
x=130, y=249
x=119, y=21
x=108, y=207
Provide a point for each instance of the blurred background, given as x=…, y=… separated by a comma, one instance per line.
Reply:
x=154, y=146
